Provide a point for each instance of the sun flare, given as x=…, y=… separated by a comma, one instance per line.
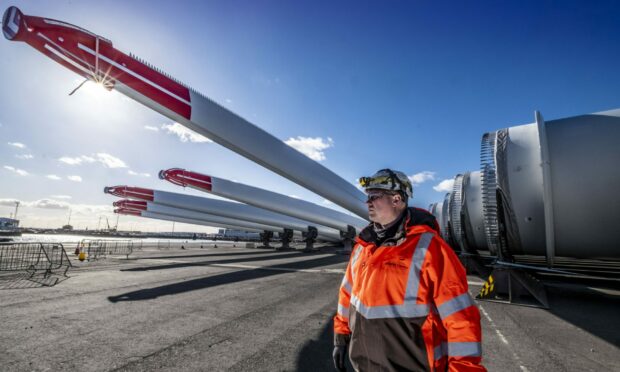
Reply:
x=95, y=90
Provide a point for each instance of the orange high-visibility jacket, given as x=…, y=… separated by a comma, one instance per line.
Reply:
x=407, y=307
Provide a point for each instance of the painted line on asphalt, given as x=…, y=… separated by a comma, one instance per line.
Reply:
x=240, y=266
x=160, y=261
x=503, y=338
x=321, y=271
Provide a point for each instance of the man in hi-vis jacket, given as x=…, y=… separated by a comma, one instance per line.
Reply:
x=404, y=304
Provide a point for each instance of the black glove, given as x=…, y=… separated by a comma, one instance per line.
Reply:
x=340, y=355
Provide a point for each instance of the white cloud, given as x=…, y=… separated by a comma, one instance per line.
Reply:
x=184, y=134
x=48, y=204
x=25, y=157
x=445, y=185
x=74, y=178
x=110, y=161
x=77, y=160
x=151, y=128
x=21, y=172
x=422, y=177
x=86, y=209
x=61, y=196
x=132, y=173
x=228, y=100
x=19, y=145
x=8, y=202
x=107, y=160
x=53, y=177
x=42, y=203
x=311, y=147
x=89, y=209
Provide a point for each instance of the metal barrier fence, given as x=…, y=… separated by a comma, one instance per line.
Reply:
x=181, y=244
x=190, y=244
x=57, y=255
x=34, y=258
x=99, y=248
x=161, y=244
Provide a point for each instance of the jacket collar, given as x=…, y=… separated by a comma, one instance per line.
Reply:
x=411, y=224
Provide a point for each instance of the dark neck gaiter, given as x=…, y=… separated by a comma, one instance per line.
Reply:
x=388, y=231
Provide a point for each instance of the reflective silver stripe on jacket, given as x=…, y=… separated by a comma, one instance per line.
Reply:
x=409, y=308
x=454, y=305
x=413, y=281
x=406, y=310
x=345, y=283
x=458, y=349
x=356, y=255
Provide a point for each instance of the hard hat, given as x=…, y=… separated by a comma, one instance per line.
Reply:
x=387, y=179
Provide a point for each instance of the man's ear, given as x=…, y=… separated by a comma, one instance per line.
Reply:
x=397, y=198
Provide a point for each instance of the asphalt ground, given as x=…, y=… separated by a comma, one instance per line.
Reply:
x=241, y=309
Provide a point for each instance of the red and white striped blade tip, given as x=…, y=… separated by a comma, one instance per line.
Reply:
x=184, y=178
x=12, y=22
x=140, y=193
x=127, y=211
x=131, y=204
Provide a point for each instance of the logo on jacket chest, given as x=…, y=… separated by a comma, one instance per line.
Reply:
x=396, y=263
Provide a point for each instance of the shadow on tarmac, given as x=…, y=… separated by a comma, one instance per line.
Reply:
x=25, y=280
x=225, y=278
x=593, y=311
x=207, y=255
x=316, y=355
x=206, y=263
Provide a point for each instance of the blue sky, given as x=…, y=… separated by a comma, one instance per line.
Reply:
x=409, y=85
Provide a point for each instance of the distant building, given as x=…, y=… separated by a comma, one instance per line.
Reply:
x=230, y=233
x=8, y=224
